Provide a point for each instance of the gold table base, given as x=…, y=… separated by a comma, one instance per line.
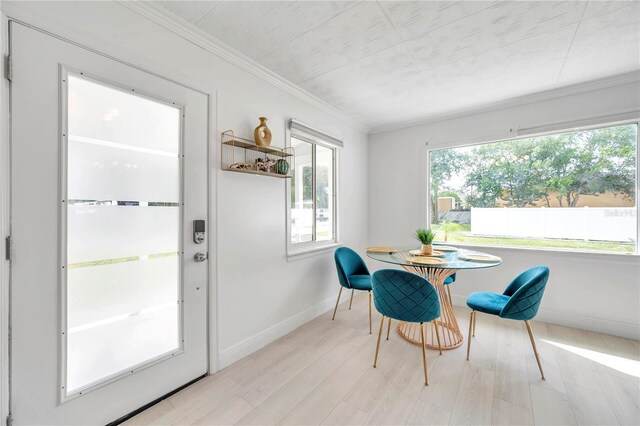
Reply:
x=450, y=334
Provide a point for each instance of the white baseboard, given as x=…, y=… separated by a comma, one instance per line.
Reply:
x=600, y=325
x=253, y=343
x=583, y=322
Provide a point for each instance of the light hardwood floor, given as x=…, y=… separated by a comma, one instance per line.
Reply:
x=322, y=374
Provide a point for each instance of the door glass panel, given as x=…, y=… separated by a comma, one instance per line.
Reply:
x=118, y=173
x=108, y=231
x=122, y=232
x=99, y=112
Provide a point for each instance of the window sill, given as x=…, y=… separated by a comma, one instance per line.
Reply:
x=293, y=255
x=581, y=254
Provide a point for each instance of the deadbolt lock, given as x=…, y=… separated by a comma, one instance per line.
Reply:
x=198, y=231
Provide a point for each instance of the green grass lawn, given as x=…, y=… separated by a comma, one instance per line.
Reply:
x=462, y=235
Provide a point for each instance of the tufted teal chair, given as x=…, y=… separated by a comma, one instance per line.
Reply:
x=519, y=301
x=449, y=280
x=352, y=274
x=407, y=297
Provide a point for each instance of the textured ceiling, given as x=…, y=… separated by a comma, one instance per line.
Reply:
x=390, y=62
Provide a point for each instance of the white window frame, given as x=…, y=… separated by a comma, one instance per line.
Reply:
x=315, y=137
x=526, y=133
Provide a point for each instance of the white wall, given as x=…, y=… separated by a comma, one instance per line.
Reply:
x=261, y=295
x=594, y=291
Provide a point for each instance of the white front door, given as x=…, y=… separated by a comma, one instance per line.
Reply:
x=109, y=173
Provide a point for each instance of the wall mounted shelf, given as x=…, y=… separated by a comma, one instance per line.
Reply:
x=244, y=156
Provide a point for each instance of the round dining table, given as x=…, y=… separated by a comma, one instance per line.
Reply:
x=445, y=261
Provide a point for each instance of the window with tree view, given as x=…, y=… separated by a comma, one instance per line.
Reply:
x=574, y=190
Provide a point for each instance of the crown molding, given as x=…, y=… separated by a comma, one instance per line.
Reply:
x=603, y=83
x=190, y=32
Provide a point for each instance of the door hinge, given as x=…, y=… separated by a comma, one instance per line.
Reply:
x=9, y=420
x=8, y=67
x=7, y=248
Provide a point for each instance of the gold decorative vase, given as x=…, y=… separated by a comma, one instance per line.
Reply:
x=426, y=249
x=262, y=134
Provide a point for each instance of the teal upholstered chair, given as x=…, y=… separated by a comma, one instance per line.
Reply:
x=519, y=301
x=407, y=297
x=449, y=280
x=352, y=274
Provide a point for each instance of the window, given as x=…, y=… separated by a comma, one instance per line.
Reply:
x=312, y=189
x=574, y=190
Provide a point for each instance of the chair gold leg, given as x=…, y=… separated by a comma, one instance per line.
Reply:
x=535, y=350
x=351, y=301
x=475, y=317
x=389, y=328
x=435, y=324
x=370, y=330
x=449, y=293
x=424, y=356
x=469, y=339
x=337, y=301
x=375, y=360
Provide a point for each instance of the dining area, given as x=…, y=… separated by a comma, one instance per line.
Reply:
x=418, y=296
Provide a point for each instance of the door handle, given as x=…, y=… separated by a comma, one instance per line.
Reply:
x=199, y=257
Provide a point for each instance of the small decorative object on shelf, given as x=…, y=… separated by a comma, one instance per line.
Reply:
x=241, y=166
x=245, y=156
x=282, y=167
x=263, y=165
x=425, y=236
x=262, y=134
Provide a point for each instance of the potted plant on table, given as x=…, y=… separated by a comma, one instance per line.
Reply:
x=425, y=236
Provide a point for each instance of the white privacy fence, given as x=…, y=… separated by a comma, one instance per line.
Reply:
x=578, y=223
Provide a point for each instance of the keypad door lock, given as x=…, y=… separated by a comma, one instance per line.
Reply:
x=198, y=231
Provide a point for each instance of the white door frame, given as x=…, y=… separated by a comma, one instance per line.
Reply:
x=5, y=194
x=11, y=12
